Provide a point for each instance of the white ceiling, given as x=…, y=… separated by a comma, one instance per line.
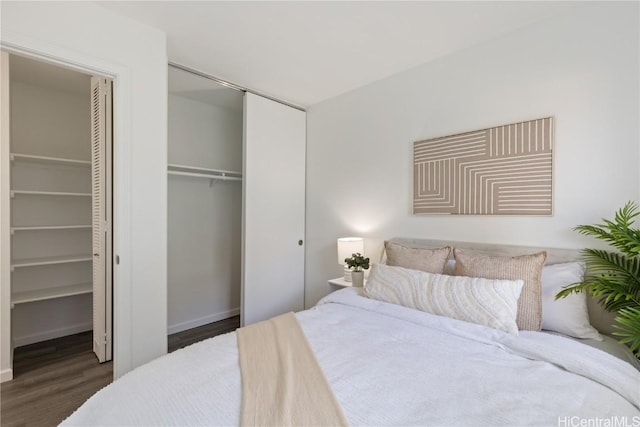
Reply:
x=306, y=52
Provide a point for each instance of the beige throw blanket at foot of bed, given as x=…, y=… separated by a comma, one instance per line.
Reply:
x=282, y=383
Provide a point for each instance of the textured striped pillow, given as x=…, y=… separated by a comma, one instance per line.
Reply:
x=424, y=259
x=526, y=267
x=492, y=303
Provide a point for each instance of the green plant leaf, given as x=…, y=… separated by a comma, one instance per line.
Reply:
x=357, y=262
x=574, y=288
x=627, y=327
x=614, y=277
x=617, y=233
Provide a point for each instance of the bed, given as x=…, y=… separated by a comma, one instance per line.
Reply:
x=390, y=364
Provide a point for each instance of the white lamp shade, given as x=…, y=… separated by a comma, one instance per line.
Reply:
x=348, y=246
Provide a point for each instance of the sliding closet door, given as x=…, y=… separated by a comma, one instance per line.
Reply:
x=101, y=216
x=273, y=209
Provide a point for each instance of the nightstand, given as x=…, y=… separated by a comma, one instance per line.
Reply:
x=339, y=283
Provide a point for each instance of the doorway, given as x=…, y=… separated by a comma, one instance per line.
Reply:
x=59, y=156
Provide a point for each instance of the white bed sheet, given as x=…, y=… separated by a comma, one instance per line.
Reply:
x=389, y=365
x=609, y=345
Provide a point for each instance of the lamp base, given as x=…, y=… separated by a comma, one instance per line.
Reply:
x=347, y=274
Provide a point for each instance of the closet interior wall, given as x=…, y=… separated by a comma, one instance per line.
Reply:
x=204, y=208
x=51, y=202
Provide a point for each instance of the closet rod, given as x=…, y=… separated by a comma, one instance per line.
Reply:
x=207, y=176
x=231, y=85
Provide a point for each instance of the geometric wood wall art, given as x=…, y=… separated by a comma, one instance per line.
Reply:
x=504, y=170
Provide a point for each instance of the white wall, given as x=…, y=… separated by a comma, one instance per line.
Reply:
x=92, y=38
x=205, y=135
x=582, y=69
x=47, y=121
x=204, y=217
x=44, y=320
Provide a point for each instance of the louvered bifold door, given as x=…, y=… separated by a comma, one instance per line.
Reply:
x=101, y=213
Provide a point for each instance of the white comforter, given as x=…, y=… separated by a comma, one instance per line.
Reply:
x=389, y=365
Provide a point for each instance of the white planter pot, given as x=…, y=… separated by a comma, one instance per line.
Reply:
x=357, y=278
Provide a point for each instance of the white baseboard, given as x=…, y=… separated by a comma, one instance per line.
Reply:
x=82, y=327
x=194, y=323
x=51, y=334
x=6, y=375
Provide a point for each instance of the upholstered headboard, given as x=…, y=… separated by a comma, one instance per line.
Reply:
x=600, y=319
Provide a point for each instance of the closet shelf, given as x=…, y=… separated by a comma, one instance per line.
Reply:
x=51, y=293
x=49, y=227
x=32, y=262
x=207, y=173
x=48, y=193
x=45, y=159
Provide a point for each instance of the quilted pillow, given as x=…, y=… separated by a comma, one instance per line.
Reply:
x=492, y=303
x=429, y=260
x=526, y=267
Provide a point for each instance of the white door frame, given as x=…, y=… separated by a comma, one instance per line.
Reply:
x=6, y=353
x=44, y=51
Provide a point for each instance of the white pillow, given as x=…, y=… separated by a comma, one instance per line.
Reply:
x=568, y=315
x=450, y=267
x=492, y=303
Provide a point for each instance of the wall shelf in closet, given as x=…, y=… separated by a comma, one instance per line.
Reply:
x=33, y=262
x=45, y=159
x=51, y=293
x=198, y=172
x=47, y=193
x=50, y=227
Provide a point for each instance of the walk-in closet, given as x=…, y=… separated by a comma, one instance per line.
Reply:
x=204, y=201
x=56, y=204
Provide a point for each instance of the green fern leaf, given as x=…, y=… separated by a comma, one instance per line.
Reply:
x=614, y=277
x=628, y=328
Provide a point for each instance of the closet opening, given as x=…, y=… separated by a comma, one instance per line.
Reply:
x=57, y=149
x=205, y=137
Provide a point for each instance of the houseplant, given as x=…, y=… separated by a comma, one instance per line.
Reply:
x=614, y=277
x=357, y=263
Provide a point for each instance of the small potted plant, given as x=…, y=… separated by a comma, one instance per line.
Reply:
x=357, y=263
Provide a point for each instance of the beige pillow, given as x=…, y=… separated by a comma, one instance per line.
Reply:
x=492, y=303
x=429, y=260
x=526, y=267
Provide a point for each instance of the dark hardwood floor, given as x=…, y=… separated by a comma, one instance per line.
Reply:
x=190, y=336
x=53, y=378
